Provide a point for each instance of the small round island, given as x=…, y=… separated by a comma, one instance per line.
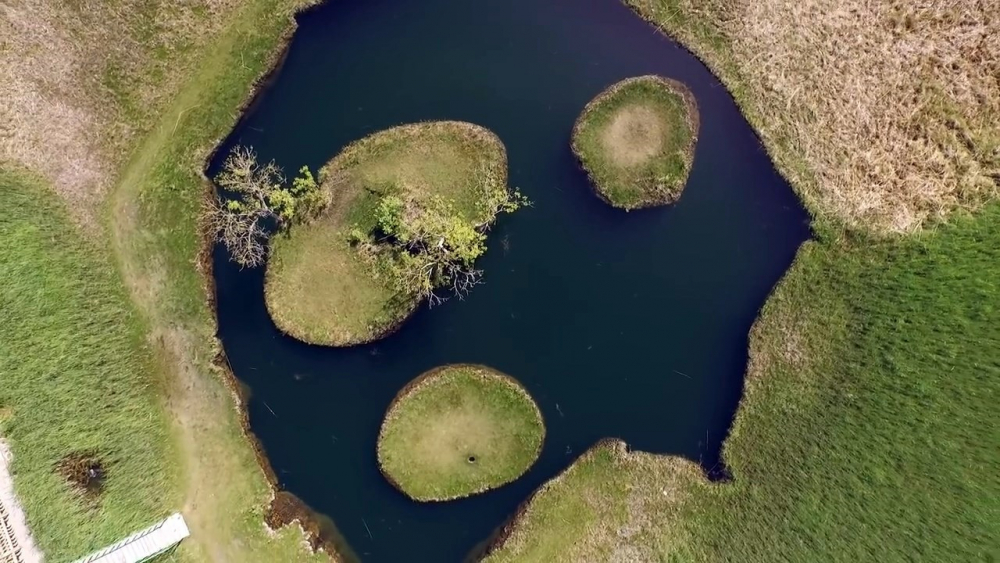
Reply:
x=636, y=141
x=459, y=430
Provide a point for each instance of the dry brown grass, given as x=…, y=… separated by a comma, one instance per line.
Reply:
x=885, y=115
x=79, y=80
x=634, y=135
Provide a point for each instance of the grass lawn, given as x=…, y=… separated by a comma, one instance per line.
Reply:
x=77, y=378
x=457, y=431
x=320, y=288
x=636, y=140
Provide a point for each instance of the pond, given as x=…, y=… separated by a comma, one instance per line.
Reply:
x=630, y=325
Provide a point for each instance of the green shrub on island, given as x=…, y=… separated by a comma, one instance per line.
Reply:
x=406, y=219
x=636, y=141
x=457, y=431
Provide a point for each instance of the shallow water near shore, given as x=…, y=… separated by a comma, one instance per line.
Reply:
x=629, y=325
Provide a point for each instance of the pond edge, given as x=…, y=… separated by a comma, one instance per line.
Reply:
x=304, y=517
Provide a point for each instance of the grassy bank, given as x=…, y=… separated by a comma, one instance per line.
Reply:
x=867, y=429
x=154, y=211
x=626, y=510
x=76, y=380
x=457, y=431
x=135, y=96
x=338, y=280
x=884, y=116
x=636, y=140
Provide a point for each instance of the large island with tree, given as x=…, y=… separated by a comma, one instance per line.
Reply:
x=398, y=218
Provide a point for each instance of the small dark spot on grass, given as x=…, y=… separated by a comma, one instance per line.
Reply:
x=85, y=472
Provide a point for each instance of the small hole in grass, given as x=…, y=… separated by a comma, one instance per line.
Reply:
x=472, y=459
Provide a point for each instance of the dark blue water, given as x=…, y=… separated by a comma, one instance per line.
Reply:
x=630, y=325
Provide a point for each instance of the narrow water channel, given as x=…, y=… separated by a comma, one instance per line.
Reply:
x=631, y=325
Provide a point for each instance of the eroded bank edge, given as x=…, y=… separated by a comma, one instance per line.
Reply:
x=284, y=509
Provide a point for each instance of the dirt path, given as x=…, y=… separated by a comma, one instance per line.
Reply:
x=16, y=545
x=224, y=488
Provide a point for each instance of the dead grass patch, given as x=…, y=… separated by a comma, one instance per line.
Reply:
x=884, y=115
x=87, y=77
x=85, y=472
x=457, y=431
x=634, y=135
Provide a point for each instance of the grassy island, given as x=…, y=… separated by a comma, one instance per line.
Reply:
x=459, y=430
x=409, y=207
x=636, y=141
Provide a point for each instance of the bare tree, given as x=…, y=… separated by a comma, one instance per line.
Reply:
x=259, y=196
x=240, y=222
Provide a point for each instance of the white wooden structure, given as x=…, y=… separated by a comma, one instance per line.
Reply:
x=143, y=545
x=9, y=551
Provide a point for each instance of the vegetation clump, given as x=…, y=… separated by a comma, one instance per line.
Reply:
x=457, y=431
x=636, y=140
x=408, y=214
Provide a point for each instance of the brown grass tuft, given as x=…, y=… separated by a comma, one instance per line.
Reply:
x=634, y=136
x=886, y=115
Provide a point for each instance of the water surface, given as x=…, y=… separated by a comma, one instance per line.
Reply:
x=630, y=325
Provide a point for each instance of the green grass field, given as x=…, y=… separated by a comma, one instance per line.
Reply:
x=636, y=140
x=457, y=431
x=320, y=289
x=867, y=430
x=868, y=426
x=155, y=211
x=77, y=376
